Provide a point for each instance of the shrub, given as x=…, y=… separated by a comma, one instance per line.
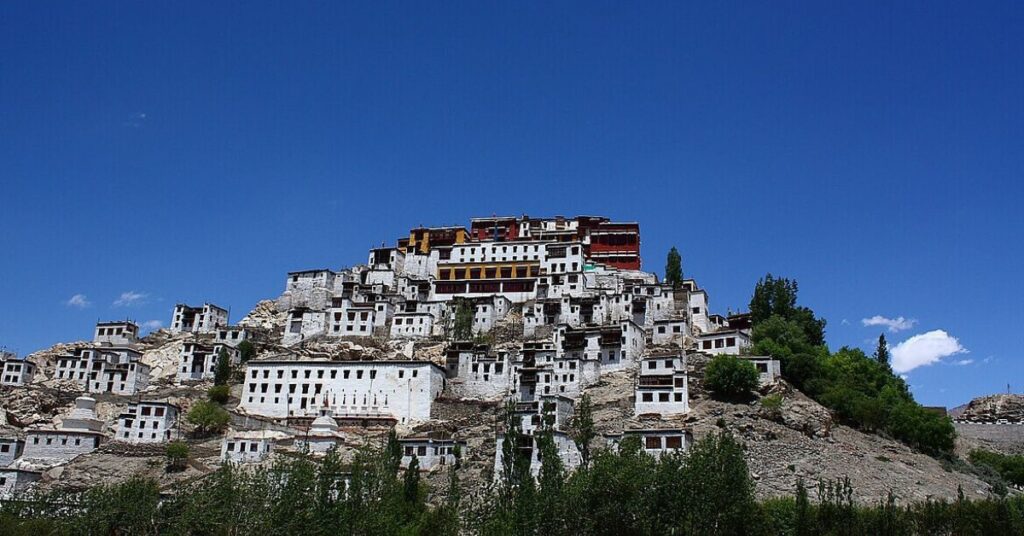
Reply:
x=208, y=417
x=177, y=455
x=1010, y=468
x=772, y=405
x=223, y=371
x=730, y=376
x=246, y=350
x=219, y=394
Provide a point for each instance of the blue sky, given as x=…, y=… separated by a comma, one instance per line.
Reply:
x=158, y=153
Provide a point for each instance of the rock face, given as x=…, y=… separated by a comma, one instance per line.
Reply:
x=994, y=409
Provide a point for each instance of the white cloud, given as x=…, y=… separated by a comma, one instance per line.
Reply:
x=924, y=349
x=894, y=324
x=152, y=324
x=845, y=322
x=130, y=298
x=963, y=362
x=79, y=301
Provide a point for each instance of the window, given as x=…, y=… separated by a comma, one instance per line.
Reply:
x=674, y=442
x=648, y=397
x=652, y=442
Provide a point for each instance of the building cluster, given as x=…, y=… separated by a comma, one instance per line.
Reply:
x=570, y=291
x=571, y=288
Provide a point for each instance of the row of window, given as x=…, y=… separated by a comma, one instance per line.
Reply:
x=346, y=374
x=728, y=342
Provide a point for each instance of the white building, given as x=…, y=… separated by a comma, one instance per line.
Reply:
x=657, y=442
x=104, y=369
x=303, y=323
x=403, y=390
x=308, y=289
x=727, y=341
x=412, y=325
x=206, y=318
x=669, y=331
x=121, y=333
x=15, y=481
x=79, y=433
x=475, y=372
x=249, y=447
x=661, y=386
x=10, y=450
x=231, y=335
x=615, y=347
x=488, y=311
x=768, y=370
x=198, y=361
x=15, y=372
x=430, y=452
x=148, y=421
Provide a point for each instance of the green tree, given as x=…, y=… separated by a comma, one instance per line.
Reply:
x=720, y=490
x=581, y=428
x=219, y=394
x=882, y=351
x=674, y=268
x=463, y=324
x=177, y=455
x=731, y=377
x=223, y=370
x=246, y=350
x=777, y=297
x=208, y=417
x=411, y=483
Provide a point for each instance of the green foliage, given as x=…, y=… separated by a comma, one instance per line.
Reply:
x=674, y=268
x=777, y=297
x=219, y=394
x=246, y=350
x=208, y=417
x=706, y=491
x=581, y=428
x=882, y=351
x=177, y=455
x=731, y=377
x=772, y=405
x=1009, y=467
x=223, y=370
x=862, y=391
x=462, y=329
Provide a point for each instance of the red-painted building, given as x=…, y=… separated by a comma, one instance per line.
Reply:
x=615, y=244
x=494, y=229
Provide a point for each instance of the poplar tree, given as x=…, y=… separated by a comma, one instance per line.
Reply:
x=674, y=268
x=882, y=351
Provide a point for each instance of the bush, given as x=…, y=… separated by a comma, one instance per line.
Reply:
x=246, y=350
x=1010, y=468
x=730, y=376
x=223, y=370
x=219, y=394
x=208, y=417
x=772, y=405
x=177, y=455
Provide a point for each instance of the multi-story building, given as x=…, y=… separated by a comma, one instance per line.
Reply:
x=15, y=372
x=147, y=421
x=104, y=369
x=404, y=390
x=207, y=318
x=198, y=361
x=79, y=433
x=661, y=385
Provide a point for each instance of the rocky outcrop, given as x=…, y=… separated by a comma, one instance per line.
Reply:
x=994, y=409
